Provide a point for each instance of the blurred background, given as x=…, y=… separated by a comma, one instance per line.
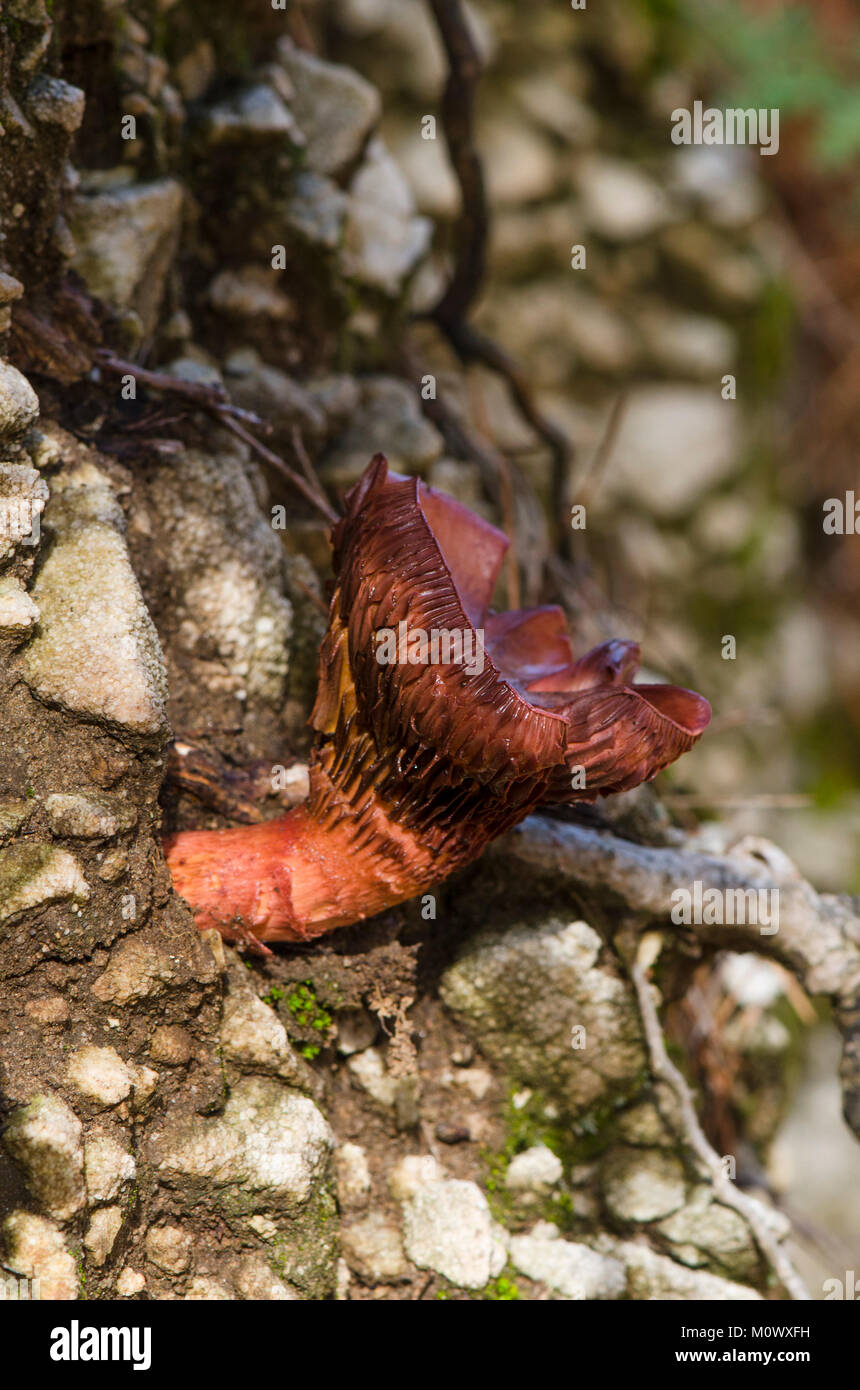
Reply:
x=704, y=514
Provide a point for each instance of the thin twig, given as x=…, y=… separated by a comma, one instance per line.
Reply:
x=301, y=454
x=592, y=476
x=213, y=399
x=663, y=1068
x=207, y=396
x=281, y=465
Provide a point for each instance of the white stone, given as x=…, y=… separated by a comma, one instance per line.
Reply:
x=101, y=1075
x=448, y=1228
x=621, y=202
x=353, y=1176
x=101, y=1233
x=413, y=1172
x=19, y=404
x=373, y=1249
x=44, y=1138
x=107, y=1168
x=36, y=1249
x=535, y=1170
x=574, y=1270
x=674, y=444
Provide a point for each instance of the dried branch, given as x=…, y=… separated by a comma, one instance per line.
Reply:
x=458, y=121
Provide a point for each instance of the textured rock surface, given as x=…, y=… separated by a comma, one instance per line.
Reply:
x=96, y=652
x=448, y=1228
x=525, y=991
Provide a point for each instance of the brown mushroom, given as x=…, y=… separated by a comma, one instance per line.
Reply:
x=439, y=725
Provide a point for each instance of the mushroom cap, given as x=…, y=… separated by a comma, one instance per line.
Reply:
x=517, y=713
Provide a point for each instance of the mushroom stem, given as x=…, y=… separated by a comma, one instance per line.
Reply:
x=299, y=876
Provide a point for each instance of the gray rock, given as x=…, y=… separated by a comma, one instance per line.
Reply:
x=427, y=170
x=44, y=1138
x=268, y=1152
x=412, y=1172
x=687, y=344
x=335, y=108
x=252, y=1036
x=656, y=1278
x=18, y=613
x=384, y=240
x=523, y=991
x=316, y=209
x=448, y=1228
x=704, y=1233
x=130, y=1282
x=104, y=1227
x=276, y=396
x=169, y=1247
x=674, y=444
x=32, y=875
x=719, y=178
x=52, y=101
x=229, y=618
x=520, y=163
x=552, y=103
x=533, y=1171
x=256, y=113
x=100, y=1074
x=14, y=812
x=107, y=1168
x=397, y=1093
x=137, y=969
x=620, y=201
x=126, y=239
x=19, y=404
x=574, y=1270
x=642, y=1185
x=23, y=495
x=388, y=420
x=202, y=1289
x=353, y=1177
x=86, y=817
x=250, y=292
x=373, y=1249
x=96, y=652
x=255, y=1280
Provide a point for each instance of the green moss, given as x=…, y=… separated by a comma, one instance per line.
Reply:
x=305, y=1010
x=501, y=1290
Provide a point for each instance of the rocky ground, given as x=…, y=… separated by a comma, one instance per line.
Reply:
x=465, y=1107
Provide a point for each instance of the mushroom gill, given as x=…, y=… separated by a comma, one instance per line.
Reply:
x=439, y=725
